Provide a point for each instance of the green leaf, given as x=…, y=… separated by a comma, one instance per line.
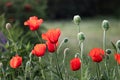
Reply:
x=114, y=46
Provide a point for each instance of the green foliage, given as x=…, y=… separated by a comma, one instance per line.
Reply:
x=21, y=10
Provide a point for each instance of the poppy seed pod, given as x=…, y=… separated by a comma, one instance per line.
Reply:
x=118, y=44
x=108, y=51
x=8, y=25
x=81, y=36
x=77, y=19
x=105, y=25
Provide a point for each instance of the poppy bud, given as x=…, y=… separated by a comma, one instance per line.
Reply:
x=81, y=36
x=8, y=25
x=65, y=40
x=118, y=44
x=105, y=25
x=77, y=19
x=108, y=51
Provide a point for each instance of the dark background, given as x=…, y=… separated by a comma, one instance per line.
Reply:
x=86, y=8
x=58, y=9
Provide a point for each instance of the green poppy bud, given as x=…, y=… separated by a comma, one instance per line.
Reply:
x=105, y=25
x=108, y=51
x=65, y=40
x=77, y=19
x=118, y=44
x=81, y=36
x=8, y=25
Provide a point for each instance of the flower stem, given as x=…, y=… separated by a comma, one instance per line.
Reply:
x=57, y=65
x=51, y=66
x=104, y=40
x=104, y=48
x=36, y=32
x=98, y=71
x=42, y=71
x=81, y=48
x=78, y=28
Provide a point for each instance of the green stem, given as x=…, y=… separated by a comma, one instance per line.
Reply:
x=58, y=67
x=51, y=66
x=42, y=71
x=104, y=40
x=81, y=48
x=36, y=32
x=59, y=46
x=98, y=71
x=104, y=48
x=78, y=28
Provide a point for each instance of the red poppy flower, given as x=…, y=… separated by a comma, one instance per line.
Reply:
x=33, y=23
x=39, y=50
x=51, y=47
x=96, y=54
x=16, y=61
x=52, y=35
x=117, y=57
x=75, y=64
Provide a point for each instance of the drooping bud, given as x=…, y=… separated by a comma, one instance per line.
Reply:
x=65, y=40
x=77, y=19
x=118, y=44
x=108, y=51
x=105, y=25
x=81, y=36
x=8, y=25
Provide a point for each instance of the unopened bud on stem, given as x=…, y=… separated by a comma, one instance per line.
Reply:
x=8, y=25
x=108, y=51
x=65, y=40
x=81, y=36
x=105, y=25
x=77, y=19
